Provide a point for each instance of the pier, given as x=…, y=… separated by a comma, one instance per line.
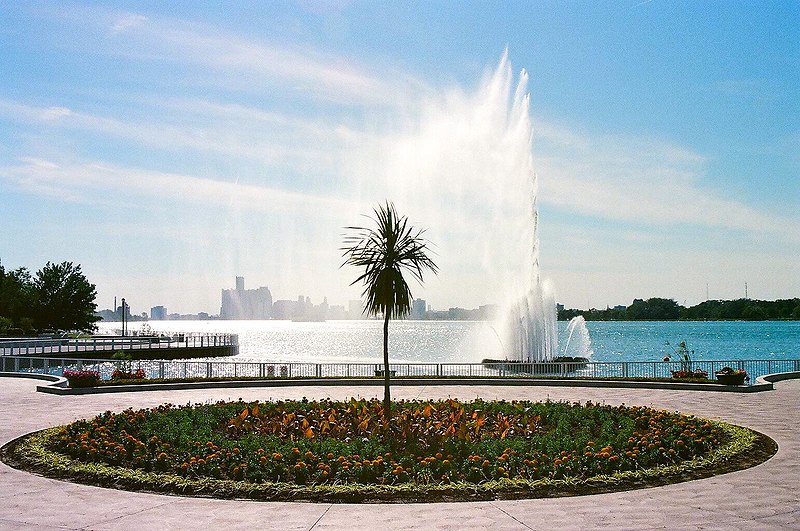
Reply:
x=150, y=347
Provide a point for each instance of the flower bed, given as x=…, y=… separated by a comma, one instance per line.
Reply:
x=697, y=374
x=120, y=374
x=345, y=451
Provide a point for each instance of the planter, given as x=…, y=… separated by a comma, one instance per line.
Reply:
x=82, y=382
x=731, y=379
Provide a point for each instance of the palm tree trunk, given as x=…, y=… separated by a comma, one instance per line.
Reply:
x=387, y=399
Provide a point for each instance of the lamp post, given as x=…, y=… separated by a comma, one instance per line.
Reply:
x=123, y=316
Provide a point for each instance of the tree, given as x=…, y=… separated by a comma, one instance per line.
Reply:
x=16, y=301
x=653, y=309
x=65, y=300
x=385, y=252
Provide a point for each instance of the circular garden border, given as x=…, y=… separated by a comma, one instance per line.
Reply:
x=745, y=448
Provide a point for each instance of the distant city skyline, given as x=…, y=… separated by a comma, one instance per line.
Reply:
x=168, y=148
x=240, y=303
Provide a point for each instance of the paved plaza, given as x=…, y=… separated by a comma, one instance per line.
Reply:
x=763, y=497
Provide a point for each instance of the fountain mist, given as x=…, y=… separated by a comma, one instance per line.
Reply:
x=465, y=170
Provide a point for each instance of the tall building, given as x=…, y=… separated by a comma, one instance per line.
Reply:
x=158, y=313
x=243, y=303
x=418, y=309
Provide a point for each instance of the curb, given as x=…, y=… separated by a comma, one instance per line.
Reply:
x=60, y=388
x=55, y=381
x=777, y=377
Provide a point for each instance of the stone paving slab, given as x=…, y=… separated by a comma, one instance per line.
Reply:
x=763, y=497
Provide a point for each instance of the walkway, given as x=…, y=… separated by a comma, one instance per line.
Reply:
x=764, y=497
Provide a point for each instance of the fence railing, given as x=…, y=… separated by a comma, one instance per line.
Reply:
x=265, y=369
x=44, y=347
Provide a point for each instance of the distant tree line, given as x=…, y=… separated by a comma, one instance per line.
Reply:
x=656, y=309
x=57, y=298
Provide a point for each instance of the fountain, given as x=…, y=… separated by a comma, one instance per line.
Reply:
x=578, y=345
x=466, y=166
x=530, y=327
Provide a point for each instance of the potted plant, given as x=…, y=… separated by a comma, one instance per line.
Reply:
x=683, y=355
x=82, y=378
x=731, y=376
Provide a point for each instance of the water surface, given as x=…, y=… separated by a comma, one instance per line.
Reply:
x=468, y=341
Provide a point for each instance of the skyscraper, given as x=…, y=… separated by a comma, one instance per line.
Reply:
x=243, y=303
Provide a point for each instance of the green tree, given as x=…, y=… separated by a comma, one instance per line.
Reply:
x=653, y=309
x=65, y=299
x=16, y=301
x=385, y=252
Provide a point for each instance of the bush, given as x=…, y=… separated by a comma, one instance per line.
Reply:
x=82, y=378
x=120, y=374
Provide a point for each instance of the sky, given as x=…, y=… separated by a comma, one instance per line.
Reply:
x=168, y=147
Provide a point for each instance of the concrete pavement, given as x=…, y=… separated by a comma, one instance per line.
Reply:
x=763, y=497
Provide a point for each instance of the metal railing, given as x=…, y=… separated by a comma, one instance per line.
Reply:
x=44, y=347
x=265, y=369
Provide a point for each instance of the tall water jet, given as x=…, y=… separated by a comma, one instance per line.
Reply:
x=532, y=320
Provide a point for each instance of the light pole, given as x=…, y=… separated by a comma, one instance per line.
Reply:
x=123, y=316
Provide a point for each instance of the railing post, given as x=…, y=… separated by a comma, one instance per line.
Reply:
x=160, y=369
x=208, y=369
x=319, y=370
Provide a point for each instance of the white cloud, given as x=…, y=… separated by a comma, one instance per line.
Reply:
x=638, y=180
x=228, y=131
x=127, y=21
x=248, y=64
x=54, y=113
x=94, y=181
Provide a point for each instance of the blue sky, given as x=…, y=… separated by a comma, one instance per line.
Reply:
x=167, y=147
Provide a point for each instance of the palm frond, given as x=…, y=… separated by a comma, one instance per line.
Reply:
x=385, y=252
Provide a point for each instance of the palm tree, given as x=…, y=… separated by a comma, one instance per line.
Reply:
x=384, y=252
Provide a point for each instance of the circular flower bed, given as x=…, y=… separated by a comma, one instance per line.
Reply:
x=346, y=451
